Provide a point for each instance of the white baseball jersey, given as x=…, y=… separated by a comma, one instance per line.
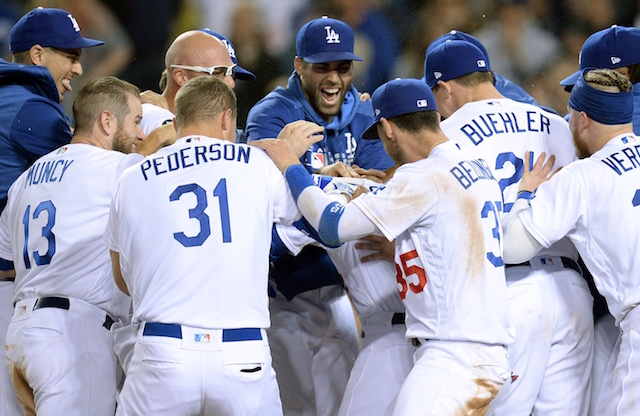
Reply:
x=371, y=285
x=595, y=203
x=205, y=208
x=154, y=117
x=442, y=212
x=55, y=219
x=501, y=131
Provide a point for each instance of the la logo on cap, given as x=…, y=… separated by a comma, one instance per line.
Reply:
x=232, y=52
x=332, y=36
x=76, y=27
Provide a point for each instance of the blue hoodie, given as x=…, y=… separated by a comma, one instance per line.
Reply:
x=32, y=122
x=343, y=142
x=342, y=137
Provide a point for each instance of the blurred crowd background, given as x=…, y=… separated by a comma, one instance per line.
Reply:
x=535, y=43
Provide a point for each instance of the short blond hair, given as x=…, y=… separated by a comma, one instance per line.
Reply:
x=202, y=99
x=98, y=95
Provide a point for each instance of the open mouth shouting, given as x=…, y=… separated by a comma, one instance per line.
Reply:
x=330, y=96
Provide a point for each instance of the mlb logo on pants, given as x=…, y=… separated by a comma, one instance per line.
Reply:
x=204, y=338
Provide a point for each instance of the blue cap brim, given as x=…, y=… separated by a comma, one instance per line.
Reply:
x=244, y=75
x=372, y=131
x=571, y=80
x=78, y=44
x=323, y=57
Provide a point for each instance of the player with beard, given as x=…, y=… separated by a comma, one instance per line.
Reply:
x=46, y=46
x=309, y=306
x=59, y=344
x=594, y=202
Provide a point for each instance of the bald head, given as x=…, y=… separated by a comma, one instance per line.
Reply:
x=193, y=48
x=196, y=48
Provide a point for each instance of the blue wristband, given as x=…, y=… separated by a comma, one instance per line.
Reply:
x=298, y=178
x=524, y=195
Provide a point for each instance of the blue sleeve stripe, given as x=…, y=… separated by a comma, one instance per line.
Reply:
x=298, y=178
x=328, y=227
x=524, y=195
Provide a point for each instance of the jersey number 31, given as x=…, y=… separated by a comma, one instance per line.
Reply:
x=220, y=191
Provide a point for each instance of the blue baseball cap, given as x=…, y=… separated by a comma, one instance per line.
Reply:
x=610, y=48
x=241, y=73
x=452, y=59
x=326, y=40
x=398, y=97
x=459, y=35
x=54, y=28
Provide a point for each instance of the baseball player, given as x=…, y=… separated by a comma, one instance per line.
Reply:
x=192, y=47
x=312, y=380
x=613, y=48
x=593, y=202
x=31, y=89
x=450, y=279
x=59, y=346
x=549, y=301
x=386, y=356
x=506, y=87
x=200, y=304
x=194, y=53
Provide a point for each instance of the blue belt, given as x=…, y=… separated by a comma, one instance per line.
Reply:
x=158, y=329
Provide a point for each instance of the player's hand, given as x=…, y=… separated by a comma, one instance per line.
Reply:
x=360, y=190
x=338, y=169
x=382, y=248
x=371, y=174
x=533, y=177
x=364, y=96
x=160, y=137
x=292, y=142
x=154, y=98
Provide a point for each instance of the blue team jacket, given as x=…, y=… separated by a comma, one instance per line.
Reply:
x=343, y=142
x=32, y=122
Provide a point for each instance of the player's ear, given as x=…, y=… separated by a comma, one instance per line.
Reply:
x=387, y=128
x=179, y=76
x=107, y=123
x=298, y=64
x=446, y=88
x=585, y=121
x=36, y=54
x=228, y=124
